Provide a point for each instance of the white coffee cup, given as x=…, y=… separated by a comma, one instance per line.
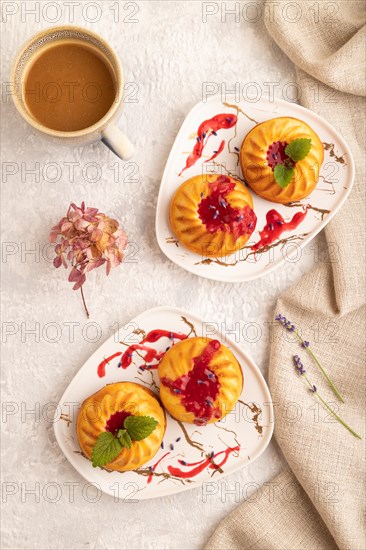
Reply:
x=104, y=129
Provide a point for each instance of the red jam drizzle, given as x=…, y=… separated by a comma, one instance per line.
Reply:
x=153, y=468
x=275, y=226
x=198, y=467
x=276, y=154
x=151, y=354
x=116, y=420
x=216, y=153
x=104, y=363
x=217, y=214
x=205, y=131
x=199, y=387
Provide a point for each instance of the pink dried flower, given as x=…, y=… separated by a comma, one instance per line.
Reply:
x=85, y=239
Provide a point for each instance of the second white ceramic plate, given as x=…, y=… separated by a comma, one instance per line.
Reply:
x=335, y=181
x=190, y=455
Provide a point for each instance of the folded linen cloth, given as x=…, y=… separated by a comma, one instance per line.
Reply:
x=318, y=502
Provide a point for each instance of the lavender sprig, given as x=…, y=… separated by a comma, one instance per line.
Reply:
x=313, y=389
x=306, y=345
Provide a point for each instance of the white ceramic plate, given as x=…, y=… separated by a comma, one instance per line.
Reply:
x=233, y=442
x=335, y=182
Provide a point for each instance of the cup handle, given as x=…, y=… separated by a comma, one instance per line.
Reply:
x=117, y=142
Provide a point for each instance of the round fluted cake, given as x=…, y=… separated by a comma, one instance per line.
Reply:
x=200, y=380
x=264, y=147
x=107, y=409
x=212, y=215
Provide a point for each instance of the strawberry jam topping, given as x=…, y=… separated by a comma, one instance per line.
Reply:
x=199, y=388
x=276, y=154
x=217, y=214
x=116, y=420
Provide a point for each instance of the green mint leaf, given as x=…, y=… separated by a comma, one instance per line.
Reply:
x=283, y=174
x=124, y=438
x=140, y=427
x=106, y=448
x=298, y=149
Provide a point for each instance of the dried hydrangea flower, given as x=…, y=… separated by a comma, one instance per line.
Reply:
x=86, y=239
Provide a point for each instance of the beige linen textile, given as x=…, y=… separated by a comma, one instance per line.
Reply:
x=318, y=502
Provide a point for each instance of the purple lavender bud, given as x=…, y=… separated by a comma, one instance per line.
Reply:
x=305, y=344
x=288, y=325
x=285, y=323
x=313, y=389
x=298, y=365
